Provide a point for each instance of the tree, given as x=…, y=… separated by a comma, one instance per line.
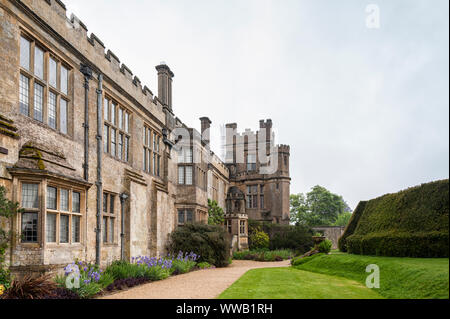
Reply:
x=215, y=213
x=7, y=210
x=319, y=207
x=343, y=219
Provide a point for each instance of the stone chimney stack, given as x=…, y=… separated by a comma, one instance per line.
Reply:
x=206, y=126
x=165, y=76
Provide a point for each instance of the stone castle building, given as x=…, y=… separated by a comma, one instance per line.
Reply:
x=101, y=167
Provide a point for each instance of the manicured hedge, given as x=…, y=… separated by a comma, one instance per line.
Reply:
x=431, y=244
x=410, y=223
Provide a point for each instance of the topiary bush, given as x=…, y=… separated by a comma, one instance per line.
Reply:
x=210, y=242
x=410, y=223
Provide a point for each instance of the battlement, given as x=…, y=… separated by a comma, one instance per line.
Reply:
x=284, y=148
x=74, y=31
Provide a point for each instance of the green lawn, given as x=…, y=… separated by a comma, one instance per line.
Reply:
x=290, y=283
x=400, y=278
x=342, y=276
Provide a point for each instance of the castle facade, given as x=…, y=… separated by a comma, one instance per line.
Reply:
x=101, y=167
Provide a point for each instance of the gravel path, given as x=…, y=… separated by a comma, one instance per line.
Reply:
x=201, y=284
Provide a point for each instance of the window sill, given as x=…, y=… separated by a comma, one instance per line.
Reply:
x=64, y=245
x=116, y=158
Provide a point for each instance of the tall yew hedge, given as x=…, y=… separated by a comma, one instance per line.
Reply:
x=410, y=223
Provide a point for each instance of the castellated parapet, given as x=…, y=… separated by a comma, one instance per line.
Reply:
x=107, y=63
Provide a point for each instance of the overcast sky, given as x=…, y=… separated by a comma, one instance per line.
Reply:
x=365, y=111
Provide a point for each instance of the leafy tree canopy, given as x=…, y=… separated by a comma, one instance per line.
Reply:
x=319, y=207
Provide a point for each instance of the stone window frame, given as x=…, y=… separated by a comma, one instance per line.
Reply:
x=242, y=228
x=42, y=212
x=151, y=156
x=44, y=82
x=70, y=212
x=186, y=160
x=109, y=214
x=185, y=212
x=111, y=125
x=252, y=196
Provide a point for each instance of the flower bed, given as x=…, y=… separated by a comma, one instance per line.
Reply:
x=122, y=275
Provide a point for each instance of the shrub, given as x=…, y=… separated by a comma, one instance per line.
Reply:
x=30, y=287
x=297, y=238
x=258, y=240
x=410, y=223
x=325, y=246
x=209, y=242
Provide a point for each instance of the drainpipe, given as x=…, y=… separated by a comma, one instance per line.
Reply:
x=123, y=198
x=99, y=181
x=87, y=72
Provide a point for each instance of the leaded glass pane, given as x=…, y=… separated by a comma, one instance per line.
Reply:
x=30, y=198
x=25, y=53
x=127, y=121
x=30, y=227
x=111, y=230
x=64, y=200
x=63, y=116
x=189, y=216
x=120, y=118
x=51, y=228
x=52, y=110
x=180, y=174
x=64, y=228
x=188, y=175
x=75, y=202
x=106, y=110
x=52, y=70
x=105, y=229
x=24, y=95
x=64, y=80
x=38, y=101
x=76, y=229
x=51, y=198
x=38, y=62
x=181, y=217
